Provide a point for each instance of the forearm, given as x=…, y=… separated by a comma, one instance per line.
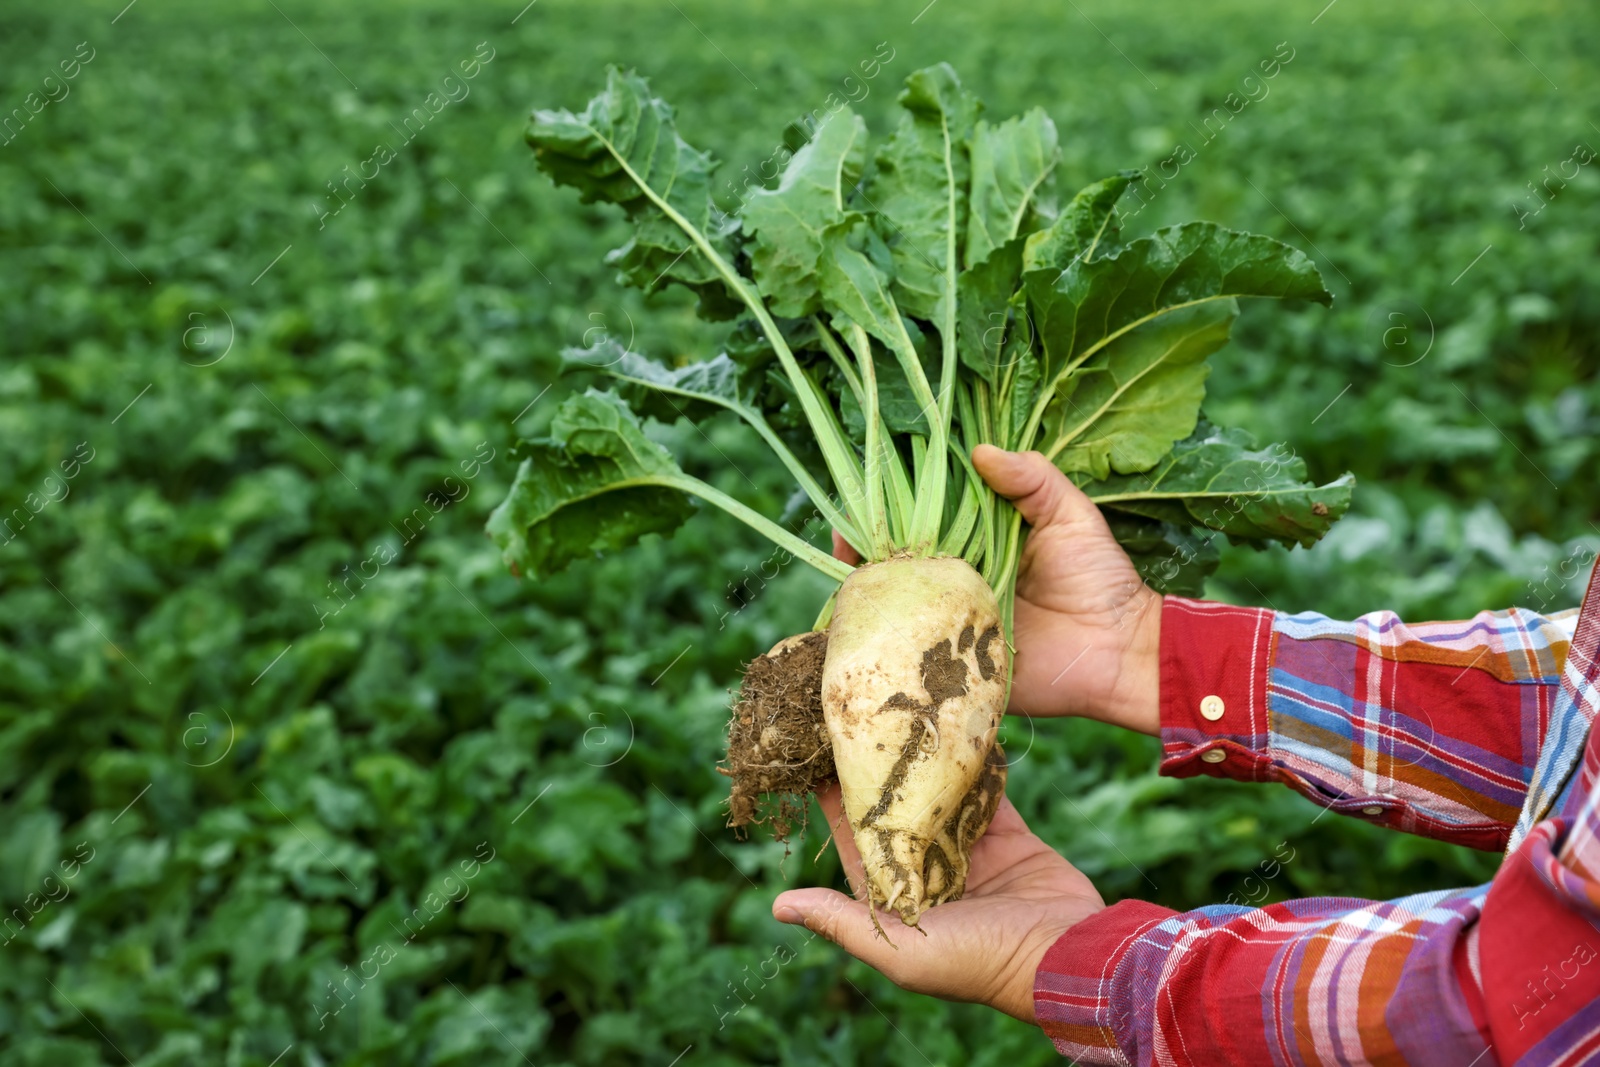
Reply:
x=1504, y=973
x=1314, y=981
x=1435, y=978
x=1432, y=729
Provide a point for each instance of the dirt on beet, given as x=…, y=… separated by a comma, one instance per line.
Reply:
x=778, y=747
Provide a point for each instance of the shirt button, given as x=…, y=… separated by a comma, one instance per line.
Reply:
x=1372, y=809
x=1212, y=708
x=1213, y=755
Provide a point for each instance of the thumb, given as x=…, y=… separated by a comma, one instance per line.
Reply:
x=1036, y=486
x=843, y=920
x=843, y=550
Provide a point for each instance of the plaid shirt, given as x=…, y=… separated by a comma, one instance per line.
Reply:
x=1474, y=732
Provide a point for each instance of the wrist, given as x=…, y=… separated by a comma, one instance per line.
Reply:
x=1138, y=706
x=1019, y=999
x=1098, y=979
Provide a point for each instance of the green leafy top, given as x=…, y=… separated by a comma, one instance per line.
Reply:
x=902, y=306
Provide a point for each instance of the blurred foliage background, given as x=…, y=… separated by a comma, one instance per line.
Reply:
x=293, y=772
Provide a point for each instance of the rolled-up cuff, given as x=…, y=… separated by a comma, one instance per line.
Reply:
x=1090, y=990
x=1214, y=664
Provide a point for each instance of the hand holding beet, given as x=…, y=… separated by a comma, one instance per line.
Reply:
x=986, y=947
x=1087, y=627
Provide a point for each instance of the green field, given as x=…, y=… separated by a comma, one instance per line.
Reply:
x=268, y=694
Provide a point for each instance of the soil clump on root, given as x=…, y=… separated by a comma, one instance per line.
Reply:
x=778, y=744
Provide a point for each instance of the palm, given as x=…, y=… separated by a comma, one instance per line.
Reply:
x=1017, y=883
x=986, y=946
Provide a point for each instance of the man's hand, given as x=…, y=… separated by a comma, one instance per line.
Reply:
x=985, y=947
x=1087, y=628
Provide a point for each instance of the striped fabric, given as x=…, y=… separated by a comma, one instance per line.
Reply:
x=1475, y=732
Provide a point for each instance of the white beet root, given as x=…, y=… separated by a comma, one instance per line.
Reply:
x=913, y=690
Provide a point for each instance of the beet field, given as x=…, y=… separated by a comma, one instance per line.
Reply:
x=295, y=771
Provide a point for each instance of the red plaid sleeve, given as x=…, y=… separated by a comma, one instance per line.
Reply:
x=1431, y=728
x=1506, y=973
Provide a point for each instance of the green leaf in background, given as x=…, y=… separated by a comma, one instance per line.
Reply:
x=256, y=933
x=1011, y=163
x=747, y=344
x=28, y=850
x=624, y=148
x=594, y=485
x=789, y=221
x=1123, y=410
x=1218, y=479
x=918, y=194
x=486, y=1026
